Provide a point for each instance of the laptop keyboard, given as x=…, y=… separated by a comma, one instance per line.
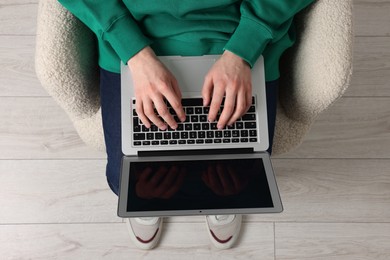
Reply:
x=196, y=130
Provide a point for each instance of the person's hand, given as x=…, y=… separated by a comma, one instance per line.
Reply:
x=153, y=83
x=230, y=76
x=224, y=180
x=162, y=183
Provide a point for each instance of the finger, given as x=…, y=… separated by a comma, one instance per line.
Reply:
x=174, y=100
x=163, y=111
x=228, y=109
x=216, y=101
x=240, y=108
x=140, y=112
x=207, y=90
x=149, y=112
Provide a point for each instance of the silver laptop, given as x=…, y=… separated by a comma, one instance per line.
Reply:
x=196, y=168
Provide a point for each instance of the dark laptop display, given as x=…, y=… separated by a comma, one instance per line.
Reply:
x=198, y=185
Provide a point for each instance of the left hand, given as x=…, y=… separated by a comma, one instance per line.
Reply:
x=230, y=76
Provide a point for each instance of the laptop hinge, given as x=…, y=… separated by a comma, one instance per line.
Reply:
x=195, y=152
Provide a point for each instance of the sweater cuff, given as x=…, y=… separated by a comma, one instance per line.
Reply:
x=249, y=40
x=125, y=37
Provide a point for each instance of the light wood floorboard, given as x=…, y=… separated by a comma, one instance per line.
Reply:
x=17, y=68
x=372, y=17
x=55, y=191
x=18, y=19
x=351, y=128
x=371, y=67
x=332, y=241
x=111, y=241
x=37, y=128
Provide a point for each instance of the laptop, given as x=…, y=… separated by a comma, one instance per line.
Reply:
x=196, y=169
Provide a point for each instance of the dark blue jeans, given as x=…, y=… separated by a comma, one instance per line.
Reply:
x=110, y=97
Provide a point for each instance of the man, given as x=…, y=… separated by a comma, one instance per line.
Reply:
x=138, y=31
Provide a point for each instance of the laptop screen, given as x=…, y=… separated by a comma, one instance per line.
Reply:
x=201, y=184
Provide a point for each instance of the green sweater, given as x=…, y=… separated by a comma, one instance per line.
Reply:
x=248, y=28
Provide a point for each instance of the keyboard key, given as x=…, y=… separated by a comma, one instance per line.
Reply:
x=188, y=127
x=197, y=126
x=210, y=134
x=146, y=143
x=182, y=141
x=176, y=135
x=150, y=136
x=244, y=133
x=217, y=141
x=190, y=141
x=139, y=136
x=253, y=140
x=239, y=125
x=194, y=118
x=144, y=129
x=213, y=126
x=184, y=135
x=192, y=102
x=180, y=127
x=137, y=129
x=173, y=142
x=167, y=135
x=198, y=110
x=199, y=141
x=202, y=134
x=193, y=135
x=250, y=125
x=227, y=133
x=218, y=134
x=226, y=141
x=206, y=110
x=208, y=141
x=248, y=117
x=252, y=109
x=235, y=140
x=189, y=110
x=158, y=136
x=203, y=118
x=244, y=140
x=205, y=126
x=235, y=133
x=164, y=142
x=155, y=142
x=137, y=143
x=154, y=128
x=252, y=133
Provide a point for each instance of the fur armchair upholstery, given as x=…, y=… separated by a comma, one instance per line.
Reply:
x=315, y=72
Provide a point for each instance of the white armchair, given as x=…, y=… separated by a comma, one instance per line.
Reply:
x=315, y=72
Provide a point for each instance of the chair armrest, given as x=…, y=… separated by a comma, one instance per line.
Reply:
x=317, y=70
x=66, y=60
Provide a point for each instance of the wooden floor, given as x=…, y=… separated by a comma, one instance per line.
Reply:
x=55, y=203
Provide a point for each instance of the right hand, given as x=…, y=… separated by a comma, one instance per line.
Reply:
x=152, y=83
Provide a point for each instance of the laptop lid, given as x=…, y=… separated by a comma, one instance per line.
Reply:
x=198, y=185
x=190, y=73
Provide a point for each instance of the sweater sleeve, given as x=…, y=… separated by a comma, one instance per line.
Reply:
x=111, y=21
x=262, y=22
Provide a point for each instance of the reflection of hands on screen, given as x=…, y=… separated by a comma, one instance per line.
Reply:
x=224, y=180
x=161, y=183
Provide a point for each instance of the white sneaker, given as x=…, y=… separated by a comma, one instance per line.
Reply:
x=223, y=230
x=145, y=232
